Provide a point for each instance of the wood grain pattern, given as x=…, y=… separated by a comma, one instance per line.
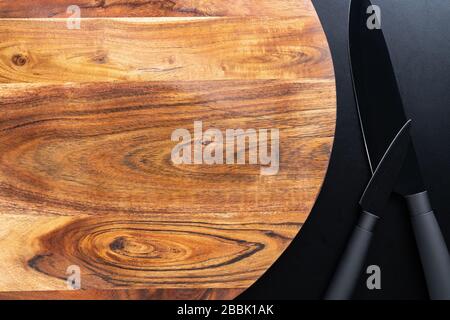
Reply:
x=134, y=294
x=86, y=117
x=56, y=152
x=212, y=49
x=58, y=161
x=155, y=8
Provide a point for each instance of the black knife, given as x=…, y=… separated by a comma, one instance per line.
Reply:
x=381, y=112
x=372, y=203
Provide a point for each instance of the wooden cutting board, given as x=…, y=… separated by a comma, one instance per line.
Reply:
x=87, y=174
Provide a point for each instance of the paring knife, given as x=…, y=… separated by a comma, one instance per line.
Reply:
x=381, y=113
x=372, y=203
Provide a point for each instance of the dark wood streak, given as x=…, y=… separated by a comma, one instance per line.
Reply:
x=75, y=243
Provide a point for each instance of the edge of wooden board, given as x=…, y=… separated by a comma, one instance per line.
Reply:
x=164, y=8
x=120, y=294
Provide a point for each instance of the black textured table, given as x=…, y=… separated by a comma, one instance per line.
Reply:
x=417, y=34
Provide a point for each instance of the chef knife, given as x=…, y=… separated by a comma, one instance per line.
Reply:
x=372, y=203
x=381, y=113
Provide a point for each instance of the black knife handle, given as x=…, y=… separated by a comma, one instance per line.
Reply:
x=349, y=269
x=431, y=244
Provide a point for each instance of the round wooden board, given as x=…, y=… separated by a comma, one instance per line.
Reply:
x=87, y=176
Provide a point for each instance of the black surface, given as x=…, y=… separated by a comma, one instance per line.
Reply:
x=417, y=35
x=377, y=95
x=376, y=90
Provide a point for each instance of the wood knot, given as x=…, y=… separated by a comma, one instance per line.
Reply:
x=167, y=4
x=117, y=244
x=19, y=59
x=101, y=3
x=100, y=58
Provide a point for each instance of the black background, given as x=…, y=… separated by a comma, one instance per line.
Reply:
x=417, y=32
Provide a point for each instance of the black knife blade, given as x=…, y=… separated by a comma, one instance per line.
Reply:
x=384, y=178
x=372, y=203
x=381, y=112
x=378, y=99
